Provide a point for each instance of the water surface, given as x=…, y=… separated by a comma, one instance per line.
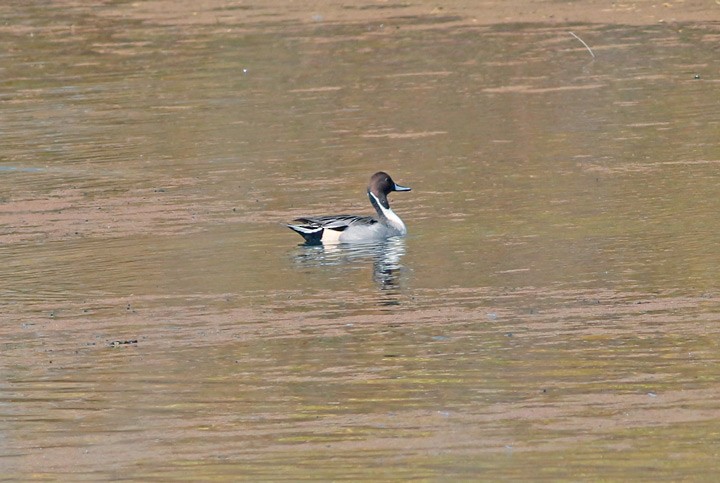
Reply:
x=552, y=313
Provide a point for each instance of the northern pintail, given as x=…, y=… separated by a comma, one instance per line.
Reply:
x=354, y=228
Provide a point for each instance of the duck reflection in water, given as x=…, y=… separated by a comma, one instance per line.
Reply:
x=385, y=255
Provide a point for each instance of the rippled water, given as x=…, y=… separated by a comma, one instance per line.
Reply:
x=553, y=312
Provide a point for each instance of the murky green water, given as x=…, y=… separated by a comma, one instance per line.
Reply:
x=552, y=314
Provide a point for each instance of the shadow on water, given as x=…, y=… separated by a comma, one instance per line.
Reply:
x=385, y=255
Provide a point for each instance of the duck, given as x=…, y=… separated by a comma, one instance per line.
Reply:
x=332, y=229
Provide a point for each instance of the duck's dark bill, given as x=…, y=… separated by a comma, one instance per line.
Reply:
x=401, y=188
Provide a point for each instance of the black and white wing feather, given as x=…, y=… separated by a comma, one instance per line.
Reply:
x=311, y=228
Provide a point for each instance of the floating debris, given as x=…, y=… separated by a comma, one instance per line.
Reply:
x=583, y=42
x=118, y=343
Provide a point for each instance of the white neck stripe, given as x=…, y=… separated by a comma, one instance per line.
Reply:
x=392, y=219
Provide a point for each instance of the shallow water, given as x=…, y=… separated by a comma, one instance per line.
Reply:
x=553, y=312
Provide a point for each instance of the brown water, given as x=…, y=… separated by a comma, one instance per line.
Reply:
x=553, y=313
